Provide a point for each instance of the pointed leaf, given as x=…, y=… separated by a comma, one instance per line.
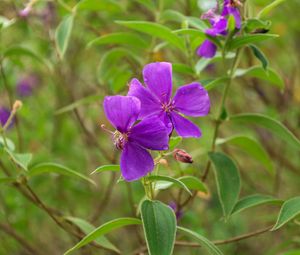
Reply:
x=193, y=183
x=174, y=142
x=289, y=210
x=113, y=168
x=260, y=56
x=58, y=169
x=248, y=39
x=228, y=181
x=211, y=247
x=271, y=124
x=104, y=229
x=252, y=147
x=159, y=223
x=265, y=11
x=63, y=33
x=21, y=159
x=255, y=200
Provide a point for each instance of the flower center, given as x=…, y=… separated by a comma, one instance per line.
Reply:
x=168, y=107
x=120, y=139
x=235, y=3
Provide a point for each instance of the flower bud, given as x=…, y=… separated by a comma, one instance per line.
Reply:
x=17, y=105
x=182, y=156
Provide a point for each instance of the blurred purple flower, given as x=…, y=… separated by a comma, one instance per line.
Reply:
x=48, y=15
x=25, y=12
x=178, y=213
x=134, y=140
x=219, y=25
x=191, y=100
x=26, y=85
x=4, y=115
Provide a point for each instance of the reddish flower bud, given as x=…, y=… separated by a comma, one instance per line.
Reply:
x=182, y=156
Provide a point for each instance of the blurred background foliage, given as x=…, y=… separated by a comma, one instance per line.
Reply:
x=60, y=121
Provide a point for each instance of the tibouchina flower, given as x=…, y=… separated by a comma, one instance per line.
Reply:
x=134, y=140
x=219, y=25
x=191, y=100
x=4, y=115
x=26, y=85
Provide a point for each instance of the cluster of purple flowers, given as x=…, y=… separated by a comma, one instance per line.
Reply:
x=219, y=25
x=146, y=117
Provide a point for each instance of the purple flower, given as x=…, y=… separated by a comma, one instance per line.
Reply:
x=207, y=49
x=231, y=8
x=26, y=85
x=178, y=213
x=191, y=100
x=4, y=115
x=24, y=13
x=134, y=140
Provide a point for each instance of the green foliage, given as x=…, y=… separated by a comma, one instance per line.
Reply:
x=159, y=225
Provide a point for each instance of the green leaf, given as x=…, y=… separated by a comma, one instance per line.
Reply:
x=21, y=159
x=96, y=5
x=289, y=210
x=21, y=51
x=104, y=229
x=113, y=168
x=58, y=169
x=252, y=147
x=193, y=183
x=120, y=38
x=10, y=144
x=176, y=182
x=254, y=200
x=201, y=65
x=211, y=84
x=149, y=4
x=231, y=23
x=228, y=181
x=159, y=223
x=254, y=24
x=63, y=33
x=87, y=227
x=248, y=39
x=76, y=104
x=174, y=142
x=5, y=22
x=211, y=247
x=293, y=252
x=260, y=56
x=271, y=124
x=265, y=11
x=155, y=30
x=258, y=72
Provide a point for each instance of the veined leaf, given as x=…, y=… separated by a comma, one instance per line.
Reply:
x=63, y=33
x=155, y=30
x=252, y=147
x=21, y=159
x=58, y=169
x=259, y=72
x=255, y=200
x=174, y=181
x=104, y=229
x=289, y=210
x=228, y=181
x=159, y=223
x=119, y=38
x=265, y=11
x=113, y=168
x=248, y=39
x=271, y=124
x=87, y=227
x=211, y=247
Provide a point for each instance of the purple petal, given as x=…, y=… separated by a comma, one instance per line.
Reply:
x=122, y=111
x=150, y=133
x=234, y=11
x=184, y=127
x=4, y=115
x=150, y=105
x=136, y=162
x=207, y=49
x=158, y=78
x=166, y=119
x=192, y=100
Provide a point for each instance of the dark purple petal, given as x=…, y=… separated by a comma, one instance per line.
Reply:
x=150, y=133
x=166, y=119
x=150, y=105
x=192, y=100
x=122, y=111
x=158, y=78
x=207, y=49
x=136, y=162
x=219, y=27
x=184, y=127
x=4, y=115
